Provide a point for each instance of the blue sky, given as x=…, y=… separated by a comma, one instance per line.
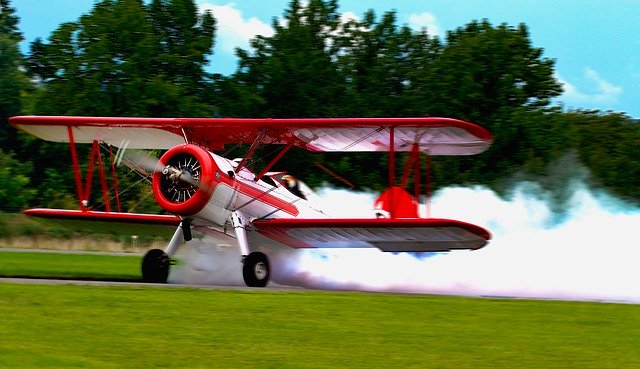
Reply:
x=596, y=44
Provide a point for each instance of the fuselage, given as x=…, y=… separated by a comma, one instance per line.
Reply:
x=267, y=197
x=207, y=188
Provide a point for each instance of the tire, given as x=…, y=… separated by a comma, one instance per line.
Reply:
x=256, y=270
x=155, y=266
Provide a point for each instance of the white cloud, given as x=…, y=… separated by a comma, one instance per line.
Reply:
x=349, y=16
x=233, y=29
x=601, y=92
x=418, y=21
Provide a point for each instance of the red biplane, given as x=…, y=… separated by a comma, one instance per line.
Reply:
x=222, y=199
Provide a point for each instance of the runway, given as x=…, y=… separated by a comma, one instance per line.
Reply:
x=197, y=279
x=272, y=287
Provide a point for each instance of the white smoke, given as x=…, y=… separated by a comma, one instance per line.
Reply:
x=589, y=253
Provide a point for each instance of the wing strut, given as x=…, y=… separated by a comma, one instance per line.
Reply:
x=428, y=184
x=84, y=191
x=76, y=168
x=392, y=157
x=273, y=161
x=249, y=153
x=114, y=179
x=412, y=164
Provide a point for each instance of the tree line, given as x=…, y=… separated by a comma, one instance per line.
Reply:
x=135, y=58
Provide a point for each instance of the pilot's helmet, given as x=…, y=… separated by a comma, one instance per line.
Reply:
x=290, y=180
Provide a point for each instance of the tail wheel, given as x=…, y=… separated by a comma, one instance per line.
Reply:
x=155, y=266
x=256, y=270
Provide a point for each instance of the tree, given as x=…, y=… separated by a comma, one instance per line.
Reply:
x=126, y=58
x=12, y=79
x=292, y=74
x=14, y=176
x=382, y=65
x=609, y=145
x=484, y=69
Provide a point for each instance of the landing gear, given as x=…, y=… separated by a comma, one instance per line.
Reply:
x=155, y=266
x=255, y=269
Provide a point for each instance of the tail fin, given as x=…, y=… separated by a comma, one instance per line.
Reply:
x=397, y=203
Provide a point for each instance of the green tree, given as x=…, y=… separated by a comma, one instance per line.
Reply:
x=382, y=64
x=12, y=80
x=484, y=69
x=609, y=145
x=15, y=193
x=126, y=58
x=292, y=74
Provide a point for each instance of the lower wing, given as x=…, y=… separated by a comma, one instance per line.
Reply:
x=392, y=235
x=107, y=222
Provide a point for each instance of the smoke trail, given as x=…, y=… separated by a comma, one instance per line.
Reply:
x=589, y=253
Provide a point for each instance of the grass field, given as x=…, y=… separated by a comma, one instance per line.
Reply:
x=69, y=326
x=70, y=265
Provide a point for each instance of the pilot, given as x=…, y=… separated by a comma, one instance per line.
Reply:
x=293, y=186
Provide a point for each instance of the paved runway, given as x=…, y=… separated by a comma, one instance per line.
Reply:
x=271, y=287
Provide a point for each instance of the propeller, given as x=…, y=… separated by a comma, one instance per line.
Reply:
x=139, y=160
x=174, y=174
x=143, y=161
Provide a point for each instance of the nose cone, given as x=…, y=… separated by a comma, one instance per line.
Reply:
x=184, y=187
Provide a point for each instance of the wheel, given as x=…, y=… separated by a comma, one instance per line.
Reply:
x=255, y=270
x=155, y=266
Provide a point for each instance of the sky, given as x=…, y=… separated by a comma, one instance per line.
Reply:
x=595, y=43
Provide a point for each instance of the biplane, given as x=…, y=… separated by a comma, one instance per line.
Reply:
x=208, y=195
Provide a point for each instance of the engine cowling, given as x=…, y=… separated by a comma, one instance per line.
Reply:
x=185, y=186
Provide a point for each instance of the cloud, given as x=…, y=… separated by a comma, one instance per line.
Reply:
x=233, y=29
x=349, y=16
x=425, y=19
x=601, y=92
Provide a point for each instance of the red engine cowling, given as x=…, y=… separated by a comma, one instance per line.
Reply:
x=179, y=196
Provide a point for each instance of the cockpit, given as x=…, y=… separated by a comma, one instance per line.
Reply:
x=283, y=179
x=291, y=183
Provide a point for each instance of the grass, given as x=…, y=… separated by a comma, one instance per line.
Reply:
x=20, y=231
x=69, y=266
x=143, y=327
x=69, y=326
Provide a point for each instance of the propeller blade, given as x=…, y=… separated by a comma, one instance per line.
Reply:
x=141, y=160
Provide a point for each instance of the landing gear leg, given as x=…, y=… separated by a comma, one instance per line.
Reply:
x=156, y=263
x=255, y=265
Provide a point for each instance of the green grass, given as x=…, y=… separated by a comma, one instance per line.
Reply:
x=68, y=326
x=69, y=266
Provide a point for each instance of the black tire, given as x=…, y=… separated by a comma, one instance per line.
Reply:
x=155, y=266
x=256, y=270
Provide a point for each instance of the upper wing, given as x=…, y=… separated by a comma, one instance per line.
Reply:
x=437, y=136
x=394, y=235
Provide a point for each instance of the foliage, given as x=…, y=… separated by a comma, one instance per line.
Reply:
x=126, y=59
x=15, y=192
x=283, y=73
x=136, y=58
x=12, y=80
x=609, y=145
x=484, y=70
